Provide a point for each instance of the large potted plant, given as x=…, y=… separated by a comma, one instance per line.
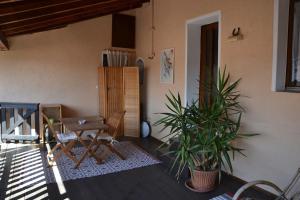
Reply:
x=205, y=131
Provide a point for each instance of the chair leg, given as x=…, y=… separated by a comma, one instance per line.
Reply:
x=54, y=149
x=81, y=159
x=70, y=146
x=89, y=151
x=112, y=149
x=95, y=149
x=51, y=157
x=69, y=155
x=58, y=154
x=92, y=151
x=67, y=150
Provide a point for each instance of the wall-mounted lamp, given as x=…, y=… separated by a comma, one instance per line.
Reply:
x=236, y=35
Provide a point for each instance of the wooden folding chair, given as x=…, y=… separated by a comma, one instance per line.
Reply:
x=108, y=138
x=64, y=141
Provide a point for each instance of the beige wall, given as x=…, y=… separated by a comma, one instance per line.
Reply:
x=275, y=154
x=58, y=66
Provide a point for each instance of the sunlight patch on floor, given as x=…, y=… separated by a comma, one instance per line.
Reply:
x=22, y=175
x=17, y=180
x=59, y=182
x=24, y=162
x=21, y=171
x=37, y=193
x=24, y=167
x=26, y=173
x=22, y=192
x=12, y=146
x=26, y=177
x=2, y=166
x=26, y=156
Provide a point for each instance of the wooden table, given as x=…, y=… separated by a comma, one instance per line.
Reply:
x=92, y=123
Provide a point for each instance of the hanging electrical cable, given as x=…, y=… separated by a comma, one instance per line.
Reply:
x=152, y=32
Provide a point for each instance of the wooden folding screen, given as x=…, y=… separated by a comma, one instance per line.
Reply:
x=119, y=91
x=131, y=101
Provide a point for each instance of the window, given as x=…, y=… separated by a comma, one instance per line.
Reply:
x=293, y=50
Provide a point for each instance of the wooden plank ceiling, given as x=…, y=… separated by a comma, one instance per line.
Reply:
x=19, y=17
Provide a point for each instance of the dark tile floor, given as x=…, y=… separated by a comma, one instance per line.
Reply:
x=152, y=182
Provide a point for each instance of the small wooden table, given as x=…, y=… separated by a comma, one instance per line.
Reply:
x=92, y=123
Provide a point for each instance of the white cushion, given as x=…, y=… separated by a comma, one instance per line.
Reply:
x=105, y=136
x=66, y=137
x=89, y=132
x=102, y=136
x=86, y=135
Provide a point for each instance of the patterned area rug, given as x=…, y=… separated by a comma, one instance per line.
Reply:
x=135, y=158
x=222, y=197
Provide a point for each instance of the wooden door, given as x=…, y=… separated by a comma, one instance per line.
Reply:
x=131, y=101
x=208, y=61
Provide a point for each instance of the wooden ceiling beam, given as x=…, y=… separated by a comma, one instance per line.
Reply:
x=65, y=18
x=8, y=1
x=76, y=12
x=3, y=42
x=21, y=6
x=54, y=9
x=43, y=29
x=27, y=5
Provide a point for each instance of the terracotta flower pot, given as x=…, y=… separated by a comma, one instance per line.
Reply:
x=204, y=181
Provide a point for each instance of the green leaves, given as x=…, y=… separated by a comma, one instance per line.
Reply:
x=205, y=130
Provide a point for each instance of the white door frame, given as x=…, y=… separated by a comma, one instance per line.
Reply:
x=192, y=51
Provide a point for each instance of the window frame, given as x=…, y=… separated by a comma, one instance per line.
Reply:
x=289, y=84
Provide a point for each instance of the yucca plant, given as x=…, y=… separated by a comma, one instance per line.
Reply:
x=205, y=130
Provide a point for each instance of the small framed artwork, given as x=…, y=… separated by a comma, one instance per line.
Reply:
x=167, y=66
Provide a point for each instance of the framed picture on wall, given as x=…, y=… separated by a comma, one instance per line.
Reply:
x=167, y=58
